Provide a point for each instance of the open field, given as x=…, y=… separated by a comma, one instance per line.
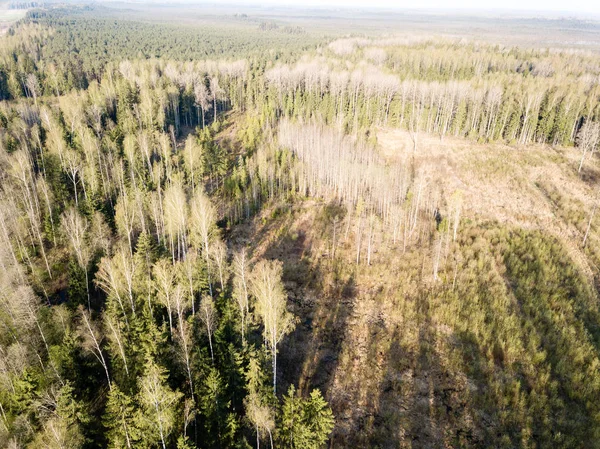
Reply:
x=9, y=16
x=498, y=181
x=524, y=29
x=509, y=29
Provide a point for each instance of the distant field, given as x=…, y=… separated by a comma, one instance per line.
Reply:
x=8, y=16
x=522, y=29
x=509, y=29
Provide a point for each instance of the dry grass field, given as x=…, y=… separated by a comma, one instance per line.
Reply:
x=498, y=181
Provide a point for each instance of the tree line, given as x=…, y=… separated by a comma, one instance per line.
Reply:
x=504, y=105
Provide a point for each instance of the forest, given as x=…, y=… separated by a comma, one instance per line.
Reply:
x=267, y=234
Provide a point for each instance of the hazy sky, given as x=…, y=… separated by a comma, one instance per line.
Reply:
x=579, y=6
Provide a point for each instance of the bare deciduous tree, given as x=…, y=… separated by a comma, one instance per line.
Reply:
x=202, y=98
x=271, y=306
x=184, y=336
x=92, y=339
x=240, y=287
x=115, y=337
x=159, y=402
x=262, y=416
x=219, y=255
x=216, y=94
x=112, y=278
x=164, y=278
x=588, y=140
x=76, y=227
x=176, y=214
x=202, y=227
x=208, y=315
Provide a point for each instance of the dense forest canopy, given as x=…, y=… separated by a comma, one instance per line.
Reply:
x=259, y=234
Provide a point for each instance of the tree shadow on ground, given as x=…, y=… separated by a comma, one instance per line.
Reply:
x=589, y=174
x=321, y=295
x=417, y=403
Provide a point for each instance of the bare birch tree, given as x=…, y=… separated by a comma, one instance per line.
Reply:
x=208, y=316
x=262, y=416
x=216, y=94
x=202, y=226
x=240, y=287
x=184, y=337
x=75, y=227
x=92, y=339
x=159, y=402
x=164, y=278
x=271, y=307
x=588, y=140
x=116, y=338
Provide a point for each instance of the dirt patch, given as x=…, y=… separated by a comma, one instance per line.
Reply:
x=495, y=180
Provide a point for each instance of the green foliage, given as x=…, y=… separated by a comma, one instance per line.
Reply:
x=304, y=423
x=119, y=420
x=184, y=443
x=528, y=337
x=63, y=430
x=213, y=407
x=77, y=292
